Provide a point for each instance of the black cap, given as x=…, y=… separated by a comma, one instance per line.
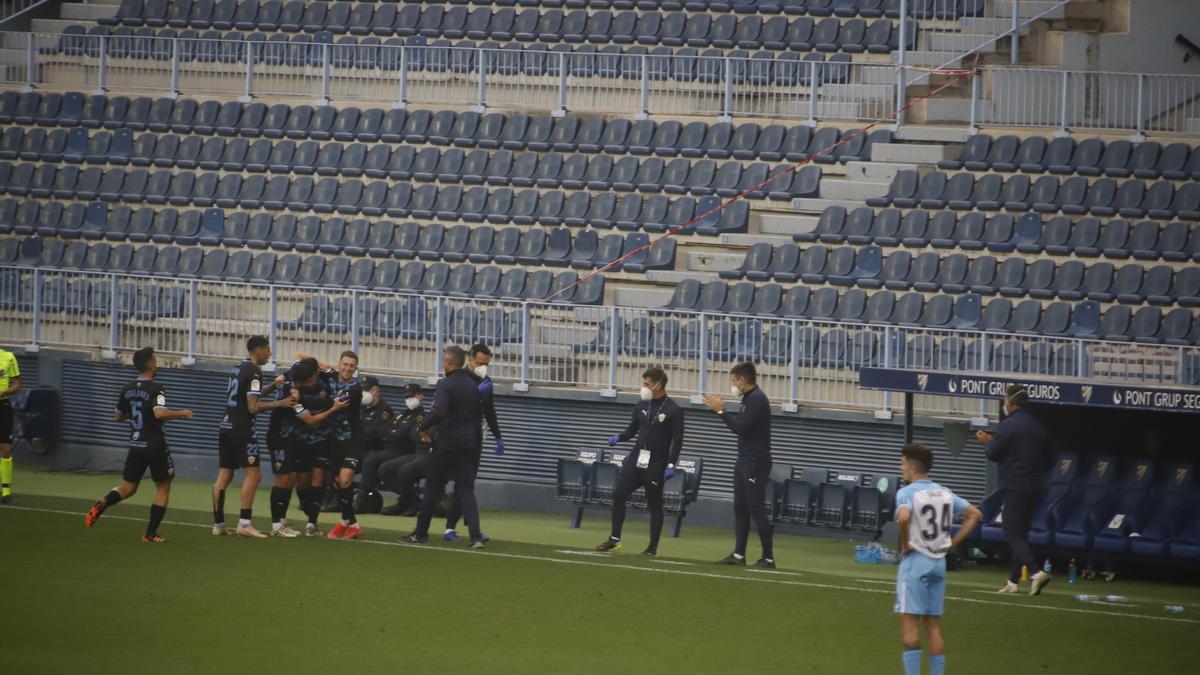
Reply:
x=412, y=389
x=370, y=382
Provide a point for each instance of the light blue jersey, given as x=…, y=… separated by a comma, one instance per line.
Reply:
x=921, y=581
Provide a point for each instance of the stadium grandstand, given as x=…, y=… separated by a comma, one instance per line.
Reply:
x=892, y=208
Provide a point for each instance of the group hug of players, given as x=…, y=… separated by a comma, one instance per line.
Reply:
x=325, y=426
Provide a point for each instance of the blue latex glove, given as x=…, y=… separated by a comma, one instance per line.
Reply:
x=668, y=473
x=485, y=388
x=614, y=439
x=499, y=446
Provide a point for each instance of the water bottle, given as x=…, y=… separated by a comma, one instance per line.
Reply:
x=1046, y=566
x=1087, y=598
x=1072, y=572
x=1174, y=609
x=1114, y=598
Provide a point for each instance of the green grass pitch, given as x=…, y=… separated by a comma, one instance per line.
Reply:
x=75, y=600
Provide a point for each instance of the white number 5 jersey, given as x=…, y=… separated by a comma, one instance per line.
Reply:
x=932, y=509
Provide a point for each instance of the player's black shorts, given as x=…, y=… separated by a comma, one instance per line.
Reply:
x=6, y=421
x=237, y=451
x=348, y=454
x=308, y=456
x=157, y=459
x=283, y=454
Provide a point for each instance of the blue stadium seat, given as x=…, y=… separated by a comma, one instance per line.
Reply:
x=1089, y=513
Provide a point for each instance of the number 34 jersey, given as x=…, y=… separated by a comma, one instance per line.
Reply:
x=932, y=509
x=137, y=402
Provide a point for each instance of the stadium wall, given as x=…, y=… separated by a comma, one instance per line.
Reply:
x=539, y=426
x=1138, y=37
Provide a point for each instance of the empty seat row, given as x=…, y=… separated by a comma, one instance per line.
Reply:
x=584, y=249
x=829, y=346
x=1076, y=195
x=411, y=318
x=1004, y=233
x=1088, y=157
x=966, y=311
x=218, y=264
x=575, y=171
x=528, y=25
x=631, y=211
x=671, y=138
x=930, y=271
x=208, y=12
x=466, y=56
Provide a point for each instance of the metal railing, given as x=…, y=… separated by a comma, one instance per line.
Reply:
x=11, y=8
x=633, y=84
x=1087, y=100
x=801, y=362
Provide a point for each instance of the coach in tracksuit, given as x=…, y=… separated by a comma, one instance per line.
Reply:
x=657, y=427
x=454, y=418
x=1019, y=447
x=753, y=468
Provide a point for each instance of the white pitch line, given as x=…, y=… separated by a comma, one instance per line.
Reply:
x=672, y=562
x=689, y=573
x=876, y=581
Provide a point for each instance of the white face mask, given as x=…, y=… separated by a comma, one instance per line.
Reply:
x=481, y=371
x=646, y=394
x=412, y=403
x=367, y=398
x=733, y=389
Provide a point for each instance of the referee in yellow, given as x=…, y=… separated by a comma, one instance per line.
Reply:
x=10, y=383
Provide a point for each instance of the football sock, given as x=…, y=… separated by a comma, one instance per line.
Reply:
x=937, y=664
x=6, y=473
x=345, y=497
x=279, y=503
x=156, y=516
x=219, y=509
x=315, y=499
x=111, y=498
x=244, y=517
x=912, y=662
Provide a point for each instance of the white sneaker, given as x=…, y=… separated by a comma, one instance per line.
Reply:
x=1039, y=582
x=311, y=530
x=219, y=531
x=285, y=531
x=1009, y=587
x=249, y=532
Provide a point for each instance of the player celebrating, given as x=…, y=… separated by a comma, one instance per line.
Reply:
x=238, y=444
x=924, y=512
x=281, y=445
x=314, y=431
x=143, y=404
x=348, y=442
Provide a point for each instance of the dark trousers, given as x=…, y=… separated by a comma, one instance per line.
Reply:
x=632, y=478
x=370, y=467
x=402, y=474
x=455, y=511
x=750, y=502
x=457, y=463
x=1018, y=516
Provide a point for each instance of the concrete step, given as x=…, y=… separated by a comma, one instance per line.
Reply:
x=87, y=12
x=1192, y=126
x=855, y=92
x=786, y=225
x=1027, y=9
x=645, y=297
x=993, y=26
x=666, y=277
x=957, y=42
x=856, y=190
x=710, y=261
x=751, y=239
x=876, y=172
x=50, y=25
x=910, y=153
x=929, y=59
x=817, y=206
x=14, y=57
x=950, y=110
x=931, y=134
